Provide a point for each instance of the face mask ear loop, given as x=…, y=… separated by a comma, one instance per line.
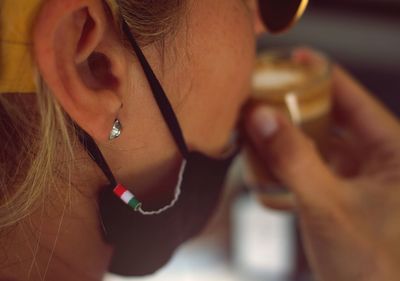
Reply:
x=161, y=98
x=118, y=189
x=94, y=152
x=167, y=113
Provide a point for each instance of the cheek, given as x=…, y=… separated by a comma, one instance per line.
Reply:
x=222, y=59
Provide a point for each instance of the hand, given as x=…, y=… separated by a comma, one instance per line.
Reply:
x=350, y=222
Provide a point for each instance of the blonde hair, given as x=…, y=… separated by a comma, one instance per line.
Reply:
x=37, y=139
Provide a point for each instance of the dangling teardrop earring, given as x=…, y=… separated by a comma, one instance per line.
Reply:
x=116, y=130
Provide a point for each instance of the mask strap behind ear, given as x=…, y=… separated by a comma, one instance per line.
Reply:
x=165, y=108
x=94, y=152
x=161, y=98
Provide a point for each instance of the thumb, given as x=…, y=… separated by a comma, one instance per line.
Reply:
x=286, y=152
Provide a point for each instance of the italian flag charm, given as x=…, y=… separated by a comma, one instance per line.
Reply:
x=126, y=196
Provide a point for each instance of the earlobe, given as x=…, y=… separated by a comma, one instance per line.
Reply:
x=81, y=59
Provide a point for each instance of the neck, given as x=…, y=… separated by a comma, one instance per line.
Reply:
x=61, y=240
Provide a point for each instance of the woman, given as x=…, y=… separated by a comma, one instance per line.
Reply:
x=147, y=94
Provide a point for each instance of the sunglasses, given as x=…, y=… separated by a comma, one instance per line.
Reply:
x=280, y=15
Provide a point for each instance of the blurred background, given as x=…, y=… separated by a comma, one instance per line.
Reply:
x=247, y=242
x=362, y=35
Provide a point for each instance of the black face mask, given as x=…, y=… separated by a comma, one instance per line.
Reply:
x=143, y=244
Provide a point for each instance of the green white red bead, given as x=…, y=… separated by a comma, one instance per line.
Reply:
x=127, y=197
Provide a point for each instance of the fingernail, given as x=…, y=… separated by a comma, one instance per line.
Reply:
x=264, y=122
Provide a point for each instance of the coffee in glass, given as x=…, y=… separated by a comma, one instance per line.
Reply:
x=300, y=87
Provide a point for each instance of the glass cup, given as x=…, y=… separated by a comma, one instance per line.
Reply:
x=299, y=84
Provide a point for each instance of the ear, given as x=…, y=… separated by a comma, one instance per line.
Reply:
x=81, y=58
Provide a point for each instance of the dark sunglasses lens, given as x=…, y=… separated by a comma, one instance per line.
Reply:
x=278, y=15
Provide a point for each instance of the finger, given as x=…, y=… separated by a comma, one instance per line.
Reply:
x=287, y=152
x=282, y=202
x=358, y=111
x=308, y=56
x=262, y=183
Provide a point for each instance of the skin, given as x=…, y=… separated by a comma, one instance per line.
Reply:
x=349, y=220
x=198, y=70
x=65, y=243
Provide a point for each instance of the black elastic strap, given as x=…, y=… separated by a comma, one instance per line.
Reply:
x=163, y=104
x=162, y=100
x=95, y=153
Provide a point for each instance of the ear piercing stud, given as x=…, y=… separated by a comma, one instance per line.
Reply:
x=116, y=130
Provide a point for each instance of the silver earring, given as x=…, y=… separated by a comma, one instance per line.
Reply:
x=116, y=130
